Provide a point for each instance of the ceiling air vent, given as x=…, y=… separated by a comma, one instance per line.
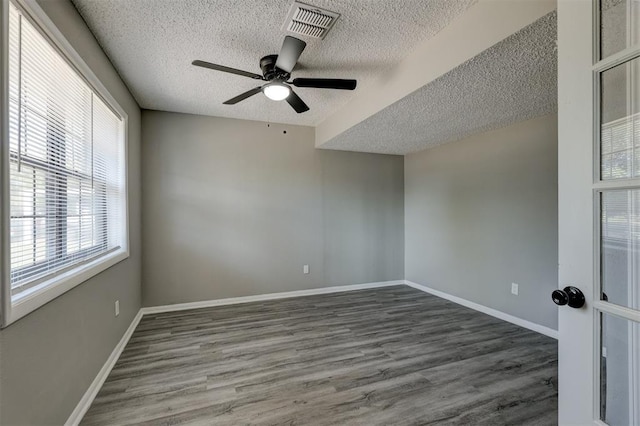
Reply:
x=309, y=21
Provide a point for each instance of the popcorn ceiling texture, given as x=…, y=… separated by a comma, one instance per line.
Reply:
x=512, y=81
x=152, y=44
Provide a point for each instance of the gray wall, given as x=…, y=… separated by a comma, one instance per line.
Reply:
x=236, y=208
x=481, y=213
x=49, y=358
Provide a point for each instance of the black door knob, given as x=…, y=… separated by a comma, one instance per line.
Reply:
x=570, y=295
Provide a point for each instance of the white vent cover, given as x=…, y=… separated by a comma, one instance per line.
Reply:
x=309, y=21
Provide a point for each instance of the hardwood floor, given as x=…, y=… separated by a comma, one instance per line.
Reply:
x=392, y=355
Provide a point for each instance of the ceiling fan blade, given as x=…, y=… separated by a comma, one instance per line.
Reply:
x=289, y=53
x=325, y=83
x=297, y=103
x=243, y=96
x=227, y=69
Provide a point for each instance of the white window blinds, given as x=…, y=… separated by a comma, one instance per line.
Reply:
x=620, y=146
x=66, y=175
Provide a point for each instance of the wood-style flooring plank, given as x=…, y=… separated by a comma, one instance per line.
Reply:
x=392, y=355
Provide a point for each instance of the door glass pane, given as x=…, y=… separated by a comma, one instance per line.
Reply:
x=620, y=121
x=619, y=371
x=620, y=247
x=619, y=25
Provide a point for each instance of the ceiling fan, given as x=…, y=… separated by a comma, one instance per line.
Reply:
x=276, y=71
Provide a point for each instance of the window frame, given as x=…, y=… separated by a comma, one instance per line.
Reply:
x=30, y=299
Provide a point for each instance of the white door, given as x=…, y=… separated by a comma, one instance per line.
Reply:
x=599, y=210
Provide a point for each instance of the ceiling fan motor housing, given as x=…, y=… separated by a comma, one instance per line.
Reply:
x=269, y=70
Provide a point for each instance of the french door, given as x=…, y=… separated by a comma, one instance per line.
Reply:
x=599, y=210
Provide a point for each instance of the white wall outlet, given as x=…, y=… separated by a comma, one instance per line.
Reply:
x=117, y=307
x=305, y=269
x=514, y=288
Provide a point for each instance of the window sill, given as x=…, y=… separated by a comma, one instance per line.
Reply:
x=33, y=298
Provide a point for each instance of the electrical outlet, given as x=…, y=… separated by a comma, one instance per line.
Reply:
x=514, y=288
x=305, y=269
x=117, y=307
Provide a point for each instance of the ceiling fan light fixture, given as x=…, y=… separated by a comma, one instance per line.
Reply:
x=276, y=91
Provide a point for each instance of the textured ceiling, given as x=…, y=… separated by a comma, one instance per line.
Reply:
x=512, y=81
x=152, y=44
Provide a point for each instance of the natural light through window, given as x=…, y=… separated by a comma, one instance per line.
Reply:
x=66, y=171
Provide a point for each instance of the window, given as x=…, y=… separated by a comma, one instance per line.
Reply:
x=66, y=166
x=621, y=148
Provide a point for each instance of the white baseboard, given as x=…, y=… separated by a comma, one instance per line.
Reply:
x=84, y=404
x=88, y=397
x=489, y=311
x=268, y=296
